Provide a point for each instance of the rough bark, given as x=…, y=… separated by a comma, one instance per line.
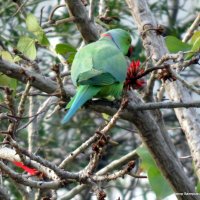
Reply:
x=86, y=26
x=151, y=135
x=40, y=82
x=155, y=47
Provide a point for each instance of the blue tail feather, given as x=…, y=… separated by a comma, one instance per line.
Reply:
x=83, y=94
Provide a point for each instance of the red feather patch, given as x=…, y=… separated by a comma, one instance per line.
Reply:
x=106, y=35
x=29, y=170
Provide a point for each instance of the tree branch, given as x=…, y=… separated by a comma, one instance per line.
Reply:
x=192, y=28
x=84, y=24
x=20, y=73
x=155, y=46
x=152, y=136
x=113, y=165
x=36, y=184
x=11, y=155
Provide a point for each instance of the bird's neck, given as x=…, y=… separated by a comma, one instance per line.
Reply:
x=107, y=36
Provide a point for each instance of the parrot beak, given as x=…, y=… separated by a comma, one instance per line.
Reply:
x=130, y=51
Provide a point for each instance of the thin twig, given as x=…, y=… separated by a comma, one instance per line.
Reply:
x=137, y=176
x=33, y=63
x=115, y=117
x=7, y=116
x=167, y=57
x=56, y=69
x=41, y=15
x=182, y=65
x=103, y=140
x=3, y=106
x=113, y=165
x=192, y=28
x=185, y=83
x=53, y=11
x=34, y=126
x=148, y=95
x=120, y=173
x=58, y=22
x=23, y=99
x=10, y=104
x=185, y=157
x=20, y=7
x=46, y=163
x=94, y=138
x=9, y=100
x=34, y=115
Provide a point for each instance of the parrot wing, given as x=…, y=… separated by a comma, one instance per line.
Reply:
x=99, y=57
x=95, y=77
x=111, y=61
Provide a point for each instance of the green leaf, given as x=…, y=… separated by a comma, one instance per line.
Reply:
x=32, y=23
x=198, y=187
x=195, y=48
x=157, y=182
x=34, y=27
x=147, y=160
x=195, y=36
x=6, y=56
x=16, y=59
x=175, y=45
x=64, y=49
x=105, y=116
x=26, y=45
x=1, y=97
x=196, y=45
x=70, y=58
x=42, y=38
x=7, y=81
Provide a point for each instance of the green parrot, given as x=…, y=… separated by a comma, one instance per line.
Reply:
x=99, y=69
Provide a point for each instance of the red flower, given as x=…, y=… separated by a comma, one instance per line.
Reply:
x=31, y=171
x=133, y=73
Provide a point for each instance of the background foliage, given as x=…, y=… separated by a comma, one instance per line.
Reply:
x=25, y=30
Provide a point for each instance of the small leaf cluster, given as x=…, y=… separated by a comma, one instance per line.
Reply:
x=27, y=44
x=175, y=45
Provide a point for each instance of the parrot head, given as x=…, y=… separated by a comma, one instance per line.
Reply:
x=121, y=38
